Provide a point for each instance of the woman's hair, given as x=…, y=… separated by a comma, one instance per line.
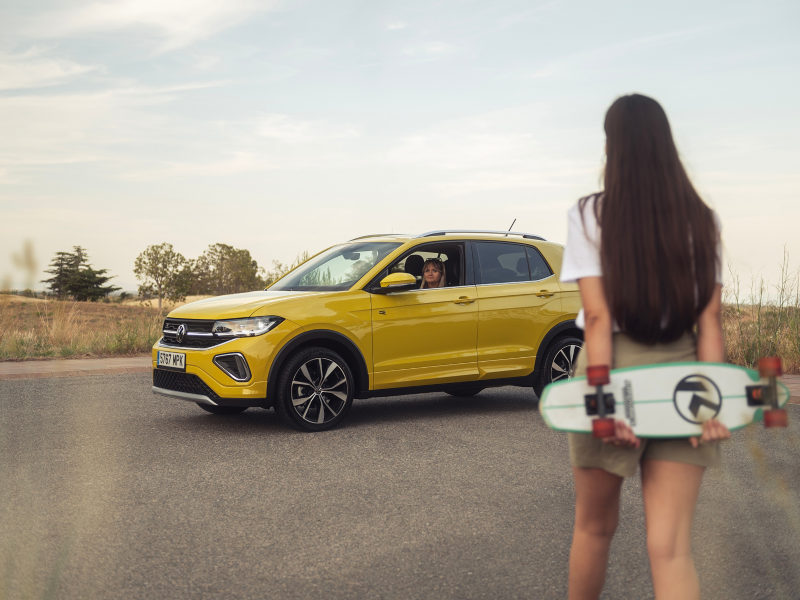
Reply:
x=439, y=266
x=659, y=240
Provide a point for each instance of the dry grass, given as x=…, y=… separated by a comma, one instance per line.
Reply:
x=761, y=321
x=758, y=323
x=34, y=329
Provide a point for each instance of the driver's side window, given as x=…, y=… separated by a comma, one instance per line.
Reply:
x=448, y=257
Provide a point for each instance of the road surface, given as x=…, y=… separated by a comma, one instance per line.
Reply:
x=107, y=491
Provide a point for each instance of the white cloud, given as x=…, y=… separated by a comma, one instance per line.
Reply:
x=273, y=141
x=238, y=162
x=207, y=62
x=33, y=68
x=83, y=127
x=177, y=23
x=523, y=74
x=295, y=131
x=430, y=49
x=397, y=25
x=610, y=53
x=502, y=149
x=500, y=137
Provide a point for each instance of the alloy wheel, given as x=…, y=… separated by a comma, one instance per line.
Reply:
x=319, y=391
x=563, y=364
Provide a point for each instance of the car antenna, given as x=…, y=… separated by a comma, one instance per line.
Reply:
x=512, y=225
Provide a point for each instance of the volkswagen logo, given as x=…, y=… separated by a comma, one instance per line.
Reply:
x=180, y=334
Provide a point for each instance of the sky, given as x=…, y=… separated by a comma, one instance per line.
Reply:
x=282, y=126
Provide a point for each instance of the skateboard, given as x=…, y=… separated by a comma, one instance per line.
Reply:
x=667, y=400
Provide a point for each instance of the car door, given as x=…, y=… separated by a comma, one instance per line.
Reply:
x=427, y=336
x=514, y=311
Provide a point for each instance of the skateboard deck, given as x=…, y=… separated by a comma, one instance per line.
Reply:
x=666, y=400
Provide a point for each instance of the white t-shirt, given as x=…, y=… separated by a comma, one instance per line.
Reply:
x=582, y=253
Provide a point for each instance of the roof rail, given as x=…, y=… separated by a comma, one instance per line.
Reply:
x=378, y=235
x=529, y=236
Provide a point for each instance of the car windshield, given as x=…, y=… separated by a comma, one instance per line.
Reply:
x=336, y=269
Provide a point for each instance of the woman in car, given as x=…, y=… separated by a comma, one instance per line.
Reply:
x=646, y=256
x=433, y=275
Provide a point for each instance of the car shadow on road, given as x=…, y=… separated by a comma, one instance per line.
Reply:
x=441, y=406
x=371, y=411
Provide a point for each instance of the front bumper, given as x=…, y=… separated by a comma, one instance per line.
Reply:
x=184, y=396
x=205, y=382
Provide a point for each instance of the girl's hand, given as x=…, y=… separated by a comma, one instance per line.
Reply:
x=713, y=431
x=623, y=436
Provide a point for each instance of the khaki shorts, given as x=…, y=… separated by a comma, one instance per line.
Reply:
x=588, y=452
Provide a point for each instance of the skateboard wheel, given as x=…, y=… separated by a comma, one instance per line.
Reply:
x=776, y=417
x=602, y=428
x=597, y=375
x=770, y=366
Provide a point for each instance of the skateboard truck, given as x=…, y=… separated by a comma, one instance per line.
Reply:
x=770, y=367
x=598, y=403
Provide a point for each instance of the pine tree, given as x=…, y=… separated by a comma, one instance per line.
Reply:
x=74, y=276
x=89, y=284
x=62, y=270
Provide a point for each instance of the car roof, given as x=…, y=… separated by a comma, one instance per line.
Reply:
x=443, y=234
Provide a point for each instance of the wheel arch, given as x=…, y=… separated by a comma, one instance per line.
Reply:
x=561, y=329
x=324, y=338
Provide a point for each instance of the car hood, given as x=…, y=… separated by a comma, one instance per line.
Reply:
x=233, y=306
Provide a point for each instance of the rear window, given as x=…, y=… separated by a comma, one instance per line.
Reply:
x=539, y=268
x=502, y=262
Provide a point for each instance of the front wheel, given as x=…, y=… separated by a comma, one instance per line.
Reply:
x=559, y=362
x=315, y=390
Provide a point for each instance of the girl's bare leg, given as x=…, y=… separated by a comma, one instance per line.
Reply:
x=596, y=518
x=670, y=491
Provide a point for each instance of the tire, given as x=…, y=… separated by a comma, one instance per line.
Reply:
x=559, y=362
x=465, y=393
x=222, y=410
x=315, y=390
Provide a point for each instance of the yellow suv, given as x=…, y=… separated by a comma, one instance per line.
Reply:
x=355, y=321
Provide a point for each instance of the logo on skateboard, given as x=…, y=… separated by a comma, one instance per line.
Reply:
x=627, y=397
x=697, y=399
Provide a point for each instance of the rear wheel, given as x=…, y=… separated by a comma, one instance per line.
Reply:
x=315, y=390
x=221, y=410
x=559, y=362
x=465, y=393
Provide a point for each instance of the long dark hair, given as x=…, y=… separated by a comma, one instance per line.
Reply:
x=658, y=238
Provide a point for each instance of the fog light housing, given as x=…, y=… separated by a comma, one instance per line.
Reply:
x=233, y=365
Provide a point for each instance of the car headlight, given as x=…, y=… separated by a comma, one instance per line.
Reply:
x=245, y=327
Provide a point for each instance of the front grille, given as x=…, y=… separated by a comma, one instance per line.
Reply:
x=182, y=382
x=198, y=334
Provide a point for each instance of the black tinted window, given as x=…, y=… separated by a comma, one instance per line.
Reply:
x=539, y=268
x=502, y=263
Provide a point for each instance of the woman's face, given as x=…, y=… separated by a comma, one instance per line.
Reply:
x=432, y=275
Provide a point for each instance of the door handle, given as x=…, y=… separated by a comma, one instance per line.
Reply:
x=464, y=300
x=543, y=294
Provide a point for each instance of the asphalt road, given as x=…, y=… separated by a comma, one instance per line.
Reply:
x=107, y=491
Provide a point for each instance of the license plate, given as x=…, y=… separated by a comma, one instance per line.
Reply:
x=173, y=361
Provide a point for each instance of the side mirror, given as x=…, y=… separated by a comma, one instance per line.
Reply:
x=397, y=282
